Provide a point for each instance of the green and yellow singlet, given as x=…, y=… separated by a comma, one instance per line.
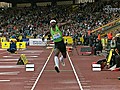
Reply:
x=56, y=34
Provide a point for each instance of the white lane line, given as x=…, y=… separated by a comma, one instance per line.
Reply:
x=25, y=54
x=7, y=56
x=31, y=51
x=4, y=80
x=14, y=59
x=2, y=49
x=42, y=71
x=10, y=73
x=79, y=83
x=8, y=63
x=12, y=66
x=8, y=59
x=2, y=53
x=32, y=56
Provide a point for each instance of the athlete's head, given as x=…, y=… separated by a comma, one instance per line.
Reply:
x=52, y=23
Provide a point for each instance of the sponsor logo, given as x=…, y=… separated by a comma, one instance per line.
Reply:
x=109, y=9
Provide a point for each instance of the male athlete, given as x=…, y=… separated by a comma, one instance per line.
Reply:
x=57, y=38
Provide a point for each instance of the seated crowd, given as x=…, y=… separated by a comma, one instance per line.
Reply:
x=34, y=21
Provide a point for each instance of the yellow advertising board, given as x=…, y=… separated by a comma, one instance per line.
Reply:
x=21, y=45
x=5, y=45
x=2, y=39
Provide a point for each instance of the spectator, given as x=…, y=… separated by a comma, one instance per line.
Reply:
x=13, y=47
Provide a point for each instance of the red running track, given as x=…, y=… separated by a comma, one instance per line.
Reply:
x=76, y=75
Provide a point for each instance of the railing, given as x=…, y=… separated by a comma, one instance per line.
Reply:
x=107, y=26
x=115, y=27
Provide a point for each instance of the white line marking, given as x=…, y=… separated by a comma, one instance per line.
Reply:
x=42, y=70
x=25, y=54
x=15, y=59
x=31, y=51
x=3, y=53
x=9, y=73
x=32, y=56
x=79, y=83
x=8, y=59
x=12, y=66
x=2, y=49
x=8, y=63
x=7, y=56
x=4, y=80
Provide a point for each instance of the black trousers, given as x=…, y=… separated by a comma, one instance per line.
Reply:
x=117, y=60
x=11, y=50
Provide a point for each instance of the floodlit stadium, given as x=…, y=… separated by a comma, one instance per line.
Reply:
x=59, y=44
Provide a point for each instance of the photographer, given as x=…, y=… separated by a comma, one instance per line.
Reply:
x=118, y=43
x=13, y=47
x=117, y=57
x=97, y=47
x=115, y=46
x=113, y=43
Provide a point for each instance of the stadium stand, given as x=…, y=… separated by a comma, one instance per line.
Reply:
x=33, y=22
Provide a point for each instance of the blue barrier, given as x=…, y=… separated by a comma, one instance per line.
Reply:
x=26, y=40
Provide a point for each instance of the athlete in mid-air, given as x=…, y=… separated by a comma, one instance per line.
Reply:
x=57, y=38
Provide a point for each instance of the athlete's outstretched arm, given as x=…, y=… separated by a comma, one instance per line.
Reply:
x=45, y=35
x=64, y=23
x=48, y=32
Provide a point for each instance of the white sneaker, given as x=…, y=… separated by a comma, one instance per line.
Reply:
x=62, y=60
x=62, y=63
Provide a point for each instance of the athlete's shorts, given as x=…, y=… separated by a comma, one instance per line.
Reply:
x=62, y=47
